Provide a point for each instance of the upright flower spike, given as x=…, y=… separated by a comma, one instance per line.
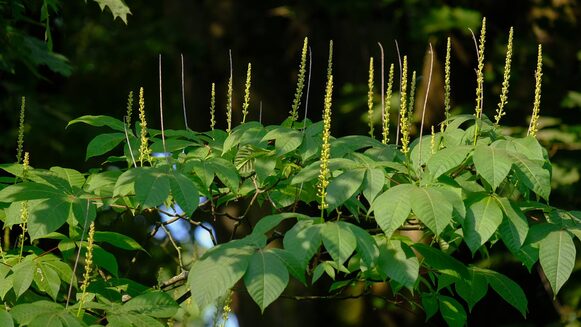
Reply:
x=294, y=113
x=433, y=141
x=447, y=87
x=229, y=100
x=504, y=93
x=370, y=98
x=403, y=110
x=479, y=73
x=20, y=146
x=144, y=150
x=213, y=107
x=88, y=266
x=534, y=124
x=412, y=96
x=326, y=146
x=129, y=109
x=246, y=94
x=385, y=130
x=24, y=206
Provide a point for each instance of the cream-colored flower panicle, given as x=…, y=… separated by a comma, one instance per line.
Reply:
x=403, y=109
x=370, y=98
x=246, y=103
x=213, y=107
x=504, y=93
x=534, y=124
x=144, y=150
x=20, y=147
x=326, y=146
x=294, y=113
x=447, y=87
x=387, y=105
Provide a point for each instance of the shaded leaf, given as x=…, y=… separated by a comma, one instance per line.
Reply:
x=339, y=240
x=432, y=208
x=493, y=164
x=557, y=255
x=265, y=278
x=103, y=143
x=506, y=288
x=452, y=311
x=343, y=187
x=392, y=208
x=482, y=220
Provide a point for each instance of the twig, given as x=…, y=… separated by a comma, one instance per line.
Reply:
x=174, y=280
x=178, y=249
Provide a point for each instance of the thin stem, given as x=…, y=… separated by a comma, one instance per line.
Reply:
x=184, y=94
x=161, y=108
x=382, y=82
x=426, y=98
x=129, y=143
x=400, y=81
x=78, y=254
x=308, y=89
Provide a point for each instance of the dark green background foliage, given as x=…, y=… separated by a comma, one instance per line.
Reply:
x=91, y=61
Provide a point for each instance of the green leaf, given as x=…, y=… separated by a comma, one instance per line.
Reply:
x=529, y=146
x=43, y=313
x=226, y=172
x=103, y=143
x=366, y=246
x=303, y=240
x=46, y=216
x=532, y=175
x=430, y=304
x=131, y=319
x=432, y=208
x=155, y=304
x=482, y=220
x=99, y=121
x=184, y=192
x=472, y=289
x=441, y=261
x=557, y=256
x=152, y=187
x=393, y=207
x=492, y=164
x=105, y=260
x=339, y=240
x=452, y=311
x=343, y=187
x=47, y=280
x=6, y=319
x=218, y=270
x=29, y=191
x=514, y=227
x=398, y=262
x=265, y=278
x=292, y=264
x=447, y=159
x=312, y=171
x=373, y=183
x=121, y=241
x=265, y=224
x=72, y=177
x=507, y=289
x=23, y=276
x=118, y=8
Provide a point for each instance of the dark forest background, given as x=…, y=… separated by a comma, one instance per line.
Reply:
x=106, y=58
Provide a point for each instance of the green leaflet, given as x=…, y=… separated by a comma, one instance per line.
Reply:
x=184, y=192
x=155, y=304
x=118, y=8
x=398, y=262
x=343, y=187
x=447, y=159
x=103, y=143
x=492, y=164
x=303, y=240
x=218, y=270
x=339, y=240
x=393, y=207
x=432, y=208
x=557, y=255
x=482, y=219
x=452, y=311
x=441, y=261
x=506, y=288
x=472, y=289
x=532, y=175
x=152, y=187
x=514, y=227
x=99, y=121
x=265, y=278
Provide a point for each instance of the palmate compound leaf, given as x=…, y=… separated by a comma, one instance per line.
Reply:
x=392, y=208
x=219, y=269
x=432, y=208
x=266, y=277
x=557, y=256
x=492, y=164
x=482, y=219
x=339, y=240
x=506, y=288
